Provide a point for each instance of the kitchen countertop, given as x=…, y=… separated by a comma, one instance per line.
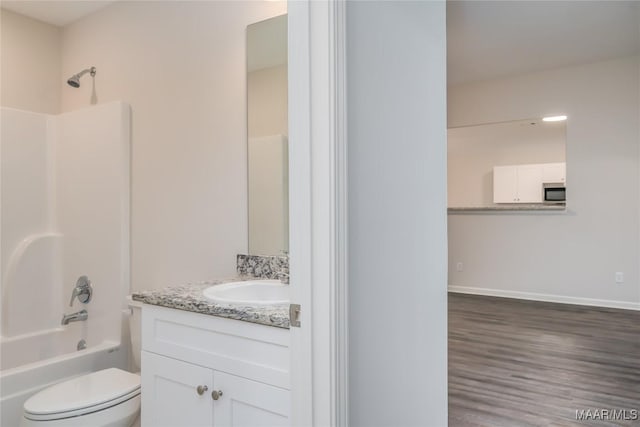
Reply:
x=507, y=208
x=189, y=297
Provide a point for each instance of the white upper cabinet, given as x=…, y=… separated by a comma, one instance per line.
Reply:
x=554, y=173
x=529, y=184
x=505, y=184
x=524, y=183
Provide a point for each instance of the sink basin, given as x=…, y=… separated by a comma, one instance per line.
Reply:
x=250, y=292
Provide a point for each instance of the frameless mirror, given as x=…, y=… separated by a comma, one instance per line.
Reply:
x=508, y=164
x=267, y=131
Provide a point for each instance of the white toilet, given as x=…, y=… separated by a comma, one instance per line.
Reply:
x=107, y=398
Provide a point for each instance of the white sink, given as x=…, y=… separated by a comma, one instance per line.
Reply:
x=250, y=292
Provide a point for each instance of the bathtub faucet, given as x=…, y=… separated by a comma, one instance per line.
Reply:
x=80, y=316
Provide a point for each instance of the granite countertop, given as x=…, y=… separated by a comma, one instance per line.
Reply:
x=189, y=297
x=523, y=207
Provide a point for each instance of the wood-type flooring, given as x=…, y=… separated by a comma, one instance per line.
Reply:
x=515, y=363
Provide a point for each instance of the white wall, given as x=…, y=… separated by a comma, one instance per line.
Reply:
x=181, y=66
x=30, y=67
x=573, y=254
x=473, y=151
x=396, y=61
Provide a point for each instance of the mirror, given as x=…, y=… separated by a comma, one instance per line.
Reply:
x=267, y=135
x=508, y=164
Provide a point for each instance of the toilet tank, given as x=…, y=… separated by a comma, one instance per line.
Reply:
x=135, y=322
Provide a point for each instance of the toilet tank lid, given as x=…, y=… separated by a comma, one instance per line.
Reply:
x=84, y=391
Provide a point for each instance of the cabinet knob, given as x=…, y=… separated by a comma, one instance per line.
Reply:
x=201, y=389
x=216, y=394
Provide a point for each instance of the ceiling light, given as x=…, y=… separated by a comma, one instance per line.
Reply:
x=554, y=118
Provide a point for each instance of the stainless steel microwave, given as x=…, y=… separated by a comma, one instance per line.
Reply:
x=555, y=193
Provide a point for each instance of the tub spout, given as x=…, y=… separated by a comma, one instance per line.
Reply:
x=81, y=315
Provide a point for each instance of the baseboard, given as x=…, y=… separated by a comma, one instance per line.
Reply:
x=545, y=297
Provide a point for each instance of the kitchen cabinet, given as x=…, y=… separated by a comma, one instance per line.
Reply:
x=505, y=184
x=554, y=173
x=200, y=370
x=517, y=184
x=524, y=183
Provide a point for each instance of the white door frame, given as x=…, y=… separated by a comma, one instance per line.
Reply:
x=317, y=211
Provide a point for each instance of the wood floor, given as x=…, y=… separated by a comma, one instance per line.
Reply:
x=521, y=363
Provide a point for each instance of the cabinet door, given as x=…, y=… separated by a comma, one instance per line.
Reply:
x=247, y=403
x=505, y=184
x=529, y=184
x=169, y=393
x=554, y=172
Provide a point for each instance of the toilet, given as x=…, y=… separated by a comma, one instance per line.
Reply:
x=106, y=398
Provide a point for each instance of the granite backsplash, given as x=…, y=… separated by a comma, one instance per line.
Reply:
x=263, y=267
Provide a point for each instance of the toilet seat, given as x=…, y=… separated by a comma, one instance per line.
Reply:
x=83, y=395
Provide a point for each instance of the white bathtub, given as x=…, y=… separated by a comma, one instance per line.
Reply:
x=34, y=361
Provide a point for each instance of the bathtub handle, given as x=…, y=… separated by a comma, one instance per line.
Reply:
x=201, y=389
x=83, y=291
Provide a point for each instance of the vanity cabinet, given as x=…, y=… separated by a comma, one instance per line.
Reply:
x=200, y=370
x=169, y=397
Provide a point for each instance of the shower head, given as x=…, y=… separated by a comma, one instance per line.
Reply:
x=74, y=81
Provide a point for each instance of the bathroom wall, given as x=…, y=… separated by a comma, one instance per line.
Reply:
x=473, y=151
x=31, y=64
x=570, y=256
x=181, y=66
x=396, y=97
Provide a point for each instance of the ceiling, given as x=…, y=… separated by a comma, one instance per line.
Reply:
x=492, y=39
x=54, y=12
x=485, y=39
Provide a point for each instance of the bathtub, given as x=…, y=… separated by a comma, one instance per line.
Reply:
x=32, y=362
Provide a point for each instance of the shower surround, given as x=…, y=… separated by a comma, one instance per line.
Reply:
x=64, y=214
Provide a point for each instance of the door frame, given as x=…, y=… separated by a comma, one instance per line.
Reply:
x=318, y=211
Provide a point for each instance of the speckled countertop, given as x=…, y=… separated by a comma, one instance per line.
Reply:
x=508, y=208
x=189, y=297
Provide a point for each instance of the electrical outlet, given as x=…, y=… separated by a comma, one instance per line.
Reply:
x=619, y=277
x=459, y=266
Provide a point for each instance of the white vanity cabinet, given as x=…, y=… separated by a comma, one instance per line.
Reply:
x=201, y=370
